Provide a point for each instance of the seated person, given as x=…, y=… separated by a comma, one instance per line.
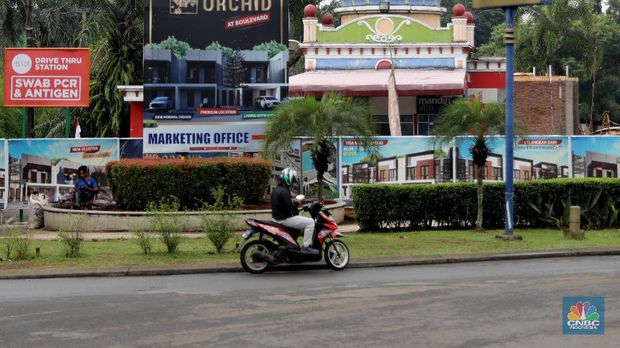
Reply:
x=85, y=187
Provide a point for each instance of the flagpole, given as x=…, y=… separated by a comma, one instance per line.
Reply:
x=67, y=123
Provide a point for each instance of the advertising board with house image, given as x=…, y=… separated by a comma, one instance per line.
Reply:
x=596, y=156
x=310, y=174
x=50, y=166
x=210, y=64
x=536, y=157
x=398, y=160
x=4, y=177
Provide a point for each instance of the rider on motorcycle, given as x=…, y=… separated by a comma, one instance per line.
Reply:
x=286, y=213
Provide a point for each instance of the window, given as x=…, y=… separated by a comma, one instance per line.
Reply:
x=516, y=174
x=425, y=124
x=193, y=73
x=383, y=125
x=526, y=175
x=424, y=174
x=411, y=173
x=190, y=99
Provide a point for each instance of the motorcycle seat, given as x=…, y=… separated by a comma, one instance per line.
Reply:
x=272, y=223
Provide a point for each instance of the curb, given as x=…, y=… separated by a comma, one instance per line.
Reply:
x=431, y=260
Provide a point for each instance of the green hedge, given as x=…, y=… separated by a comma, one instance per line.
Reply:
x=136, y=183
x=453, y=205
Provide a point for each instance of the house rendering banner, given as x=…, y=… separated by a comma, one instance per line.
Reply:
x=4, y=173
x=51, y=165
x=508, y=3
x=209, y=61
x=46, y=77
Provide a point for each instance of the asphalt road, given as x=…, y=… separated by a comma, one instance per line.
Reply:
x=494, y=304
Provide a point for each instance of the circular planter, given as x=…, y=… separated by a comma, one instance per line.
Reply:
x=114, y=221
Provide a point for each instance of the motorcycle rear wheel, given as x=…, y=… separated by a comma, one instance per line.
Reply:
x=247, y=260
x=337, y=255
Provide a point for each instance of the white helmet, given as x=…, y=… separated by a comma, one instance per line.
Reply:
x=289, y=176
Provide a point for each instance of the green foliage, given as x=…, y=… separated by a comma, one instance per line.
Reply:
x=219, y=230
x=136, y=183
x=145, y=240
x=333, y=115
x=166, y=222
x=272, y=48
x=178, y=47
x=150, y=124
x=226, y=51
x=537, y=204
x=71, y=236
x=16, y=245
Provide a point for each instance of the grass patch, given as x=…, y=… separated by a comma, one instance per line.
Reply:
x=127, y=253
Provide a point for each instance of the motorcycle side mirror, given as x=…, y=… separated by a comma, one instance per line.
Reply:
x=300, y=197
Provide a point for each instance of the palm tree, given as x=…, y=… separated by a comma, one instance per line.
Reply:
x=333, y=115
x=470, y=117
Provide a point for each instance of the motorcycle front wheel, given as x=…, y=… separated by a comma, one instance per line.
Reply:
x=337, y=255
x=249, y=261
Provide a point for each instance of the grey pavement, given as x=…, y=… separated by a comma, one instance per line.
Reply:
x=498, y=304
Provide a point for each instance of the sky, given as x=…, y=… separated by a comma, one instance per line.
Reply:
x=61, y=148
x=609, y=145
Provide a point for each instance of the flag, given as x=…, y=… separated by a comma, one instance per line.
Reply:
x=393, y=110
x=78, y=130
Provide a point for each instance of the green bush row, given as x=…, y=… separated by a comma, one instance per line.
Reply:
x=453, y=205
x=136, y=183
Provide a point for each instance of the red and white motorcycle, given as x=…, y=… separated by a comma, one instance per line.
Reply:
x=277, y=244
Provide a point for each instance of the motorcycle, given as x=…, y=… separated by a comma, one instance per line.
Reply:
x=277, y=244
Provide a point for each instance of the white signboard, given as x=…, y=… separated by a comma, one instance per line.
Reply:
x=207, y=137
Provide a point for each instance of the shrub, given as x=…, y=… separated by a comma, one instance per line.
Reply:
x=380, y=207
x=145, y=240
x=71, y=236
x=72, y=241
x=219, y=229
x=136, y=183
x=166, y=223
x=16, y=245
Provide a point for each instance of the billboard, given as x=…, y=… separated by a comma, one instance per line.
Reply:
x=535, y=157
x=398, y=160
x=4, y=174
x=596, y=156
x=310, y=174
x=51, y=165
x=46, y=77
x=210, y=137
x=508, y=3
x=208, y=61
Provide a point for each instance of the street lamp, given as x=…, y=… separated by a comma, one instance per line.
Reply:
x=384, y=6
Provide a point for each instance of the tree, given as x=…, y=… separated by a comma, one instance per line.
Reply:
x=234, y=74
x=333, y=115
x=470, y=117
x=485, y=20
x=116, y=61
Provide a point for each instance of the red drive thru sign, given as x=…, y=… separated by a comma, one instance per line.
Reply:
x=46, y=77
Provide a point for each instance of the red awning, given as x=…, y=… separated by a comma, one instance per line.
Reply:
x=372, y=83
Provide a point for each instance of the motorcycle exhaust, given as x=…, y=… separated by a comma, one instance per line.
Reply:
x=258, y=256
